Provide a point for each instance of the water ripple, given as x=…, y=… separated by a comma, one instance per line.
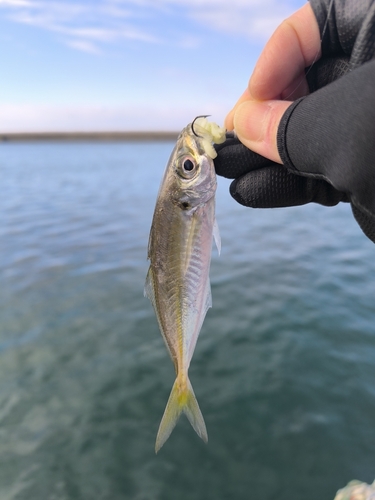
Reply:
x=284, y=368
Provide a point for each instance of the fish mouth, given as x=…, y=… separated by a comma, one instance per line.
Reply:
x=192, y=125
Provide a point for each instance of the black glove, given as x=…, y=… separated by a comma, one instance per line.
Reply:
x=261, y=183
x=327, y=156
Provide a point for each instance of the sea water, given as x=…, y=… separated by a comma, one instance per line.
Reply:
x=284, y=368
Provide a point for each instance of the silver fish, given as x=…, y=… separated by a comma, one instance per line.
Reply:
x=179, y=251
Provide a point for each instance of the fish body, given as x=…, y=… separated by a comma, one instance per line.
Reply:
x=179, y=251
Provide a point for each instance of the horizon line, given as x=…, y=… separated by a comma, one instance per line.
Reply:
x=151, y=135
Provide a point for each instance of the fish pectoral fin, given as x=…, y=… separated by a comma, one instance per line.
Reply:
x=217, y=238
x=180, y=400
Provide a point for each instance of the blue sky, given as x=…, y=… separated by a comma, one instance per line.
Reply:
x=127, y=64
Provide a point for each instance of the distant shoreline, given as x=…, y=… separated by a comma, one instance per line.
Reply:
x=88, y=136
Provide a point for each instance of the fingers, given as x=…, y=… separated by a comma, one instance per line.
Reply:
x=256, y=124
x=279, y=72
x=274, y=186
x=297, y=89
x=228, y=123
x=294, y=45
x=234, y=159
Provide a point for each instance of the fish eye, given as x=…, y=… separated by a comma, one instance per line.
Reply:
x=188, y=165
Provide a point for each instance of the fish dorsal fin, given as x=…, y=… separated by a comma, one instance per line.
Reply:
x=217, y=236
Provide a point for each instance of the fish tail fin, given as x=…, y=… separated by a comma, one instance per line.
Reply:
x=181, y=399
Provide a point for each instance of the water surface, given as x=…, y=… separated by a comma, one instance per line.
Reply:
x=284, y=368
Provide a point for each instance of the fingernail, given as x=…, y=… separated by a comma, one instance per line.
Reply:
x=250, y=120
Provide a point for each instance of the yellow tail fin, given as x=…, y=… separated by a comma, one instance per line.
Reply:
x=181, y=399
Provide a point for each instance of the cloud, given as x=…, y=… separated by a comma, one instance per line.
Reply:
x=15, y=3
x=254, y=26
x=108, y=22
x=80, y=24
x=84, y=46
x=253, y=19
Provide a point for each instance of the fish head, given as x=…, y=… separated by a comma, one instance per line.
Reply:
x=190, y=171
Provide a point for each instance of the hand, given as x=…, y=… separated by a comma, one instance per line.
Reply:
x=279, y=74
x=326, y=138
x=261, y=183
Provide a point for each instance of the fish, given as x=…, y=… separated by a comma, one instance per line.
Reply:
x=356, y=490
x=180, y=244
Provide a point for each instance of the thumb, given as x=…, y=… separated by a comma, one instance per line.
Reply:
x=256, y=124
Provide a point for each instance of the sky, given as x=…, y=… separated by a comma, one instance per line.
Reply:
x=118, y=65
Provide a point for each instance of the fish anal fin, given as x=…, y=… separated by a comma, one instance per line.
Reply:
x=148, y=290
x=208, y=302
x=199, y=320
